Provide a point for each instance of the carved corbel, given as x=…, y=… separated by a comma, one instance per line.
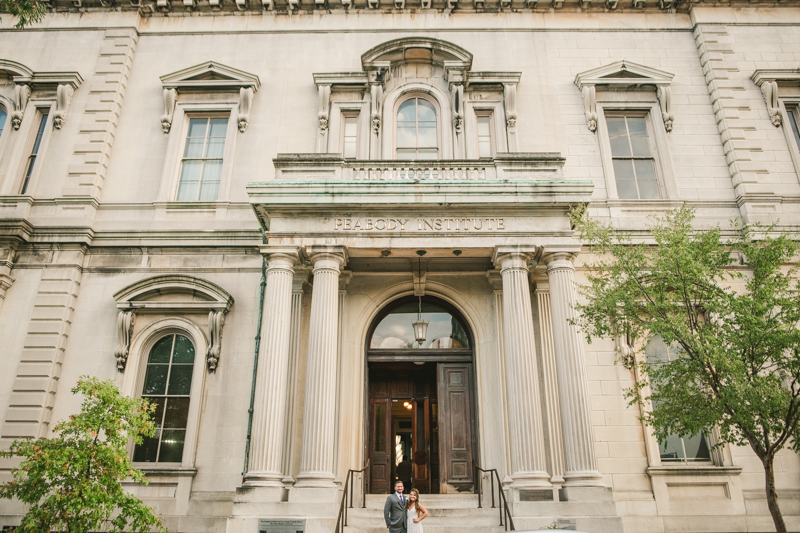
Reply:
x=269, y=5
x=169, y=95
x=586, y=4
x=665, y=98
x=510, y=97
x=189, y=4
x=292, y=4
x=241, y=4
x=63, y=98
x=324, y=107
x=590, y=105
x=216, y=319
x=347, y=4
x=666, y=4
x=627, y=354
x=426, y=4
x=532, y=3
x=770, y=91
x=458, y=106
x=451, y=4
x=638, y=4
x=612, y=4
x=505, y=3
x=376, y=96
x=245, y=102
x=21, y=95
x=125, y=321
x=399, y=4
x=372, y=4
x=558, y=4
x=8, y=256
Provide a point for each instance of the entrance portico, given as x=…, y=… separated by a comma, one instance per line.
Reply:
x=357, y=231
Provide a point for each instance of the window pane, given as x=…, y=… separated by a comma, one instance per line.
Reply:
x=209, y=191
x=623, y=172
x=184, y=350
x=218, y=128
x=147, y=451
x=350, y=127
x=427, y=135
x=349, y=148
x=197, y=127
x=425, y=111
x=194, y=147
x=180, y=380
x=190, y=171
x=697, y=448
x=427, y=154
x=618, y=136
x=648, y=190
x=39, y=134
x=395, y=330
x=380, y=427
x=155, y=382
x=187, y=192
x=407, y=111
x=171, y=446
x=483, y=126
x=3, y=116
x=158, y=412
x=406, y=135
x=484, y=148
x=212, y=170
x=672, y=450
x=161, y=350
x=406, y=154
x=216, y=147
x=640, y=141
x=637, y=126
x=177, y=413
x=792, y=114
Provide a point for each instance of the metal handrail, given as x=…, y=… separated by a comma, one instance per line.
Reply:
x=341, y=521
x=505, y=513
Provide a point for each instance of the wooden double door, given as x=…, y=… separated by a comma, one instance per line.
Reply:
x=422, y=413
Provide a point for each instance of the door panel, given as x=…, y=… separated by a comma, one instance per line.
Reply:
x=380, y=446
x=421, y=444
x=455, y=427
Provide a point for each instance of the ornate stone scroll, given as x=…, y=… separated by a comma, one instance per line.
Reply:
x=665, y=98
x=770, y=91
x=245, y=103
x=376, y=96
x=590, y=105
x=21, y=95
x=63, y=98
x=323, y=116
x=125, y=321
x=216, y=319
x=169, y=95
x=458, y=106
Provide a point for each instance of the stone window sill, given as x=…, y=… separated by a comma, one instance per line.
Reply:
x=166, y=471
x=694, y=470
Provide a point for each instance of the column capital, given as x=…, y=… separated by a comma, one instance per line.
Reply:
x=327, y=256
x=281, y=253
x=560, y=258
x=510, y=256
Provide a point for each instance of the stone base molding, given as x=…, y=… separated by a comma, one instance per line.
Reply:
x=573, y=384
x=319, y=431
x=269, y=416
x=528, y=462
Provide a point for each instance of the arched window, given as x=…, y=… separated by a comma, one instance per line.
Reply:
x=395, y=330
x=167, y=384
x=3, y=116
x=417, y=134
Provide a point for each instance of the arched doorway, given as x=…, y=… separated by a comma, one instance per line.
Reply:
x=420, y=390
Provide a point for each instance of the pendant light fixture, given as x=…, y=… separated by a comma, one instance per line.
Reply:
x=420, y=326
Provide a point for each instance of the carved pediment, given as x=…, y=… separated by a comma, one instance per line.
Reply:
x=417, y=49
x=210, y=76
x=623, y=75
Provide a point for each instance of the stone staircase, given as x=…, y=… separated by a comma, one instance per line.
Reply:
x=447, y=513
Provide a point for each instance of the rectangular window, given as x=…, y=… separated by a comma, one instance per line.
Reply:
x=350, y=136
x=793, y=113
x=485, y=135
x=633, y=157
x=688, y=449
x=34, y=152
x=201, y=166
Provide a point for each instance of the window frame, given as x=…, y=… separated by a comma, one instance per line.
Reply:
x=349, y=114
x=136, y=369
x=183, y=159
x=618, y=104
x=177, y=143
x=28, y=131
x=386, y=137
x=790, y=105
x=488, y=113
x=439, y=125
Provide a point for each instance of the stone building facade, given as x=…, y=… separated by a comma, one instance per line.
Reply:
x=186, y=187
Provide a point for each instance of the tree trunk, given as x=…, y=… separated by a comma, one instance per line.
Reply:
x=772, y=495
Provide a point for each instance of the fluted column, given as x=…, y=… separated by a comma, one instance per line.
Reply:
x=528, y=464
x=269, y=408
x=553, y=417
x=573, y=385
x=294, y=353
x=317, y=459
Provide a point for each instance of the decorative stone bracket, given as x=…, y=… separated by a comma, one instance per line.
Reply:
x=209, y=77
x=63, y=98
x=323, y=115
x=768, y=81
x=625, y=76
x=125, y=321
x=21, y=95
x=216, y=319
x=64, y=83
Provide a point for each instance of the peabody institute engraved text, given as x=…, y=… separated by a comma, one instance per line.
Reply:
x=419, y=224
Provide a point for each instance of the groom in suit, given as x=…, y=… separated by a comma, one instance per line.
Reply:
x=395, y=510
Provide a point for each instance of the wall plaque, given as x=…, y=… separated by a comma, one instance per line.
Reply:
x=281, y=526
x=535, y=495
x=567, y=524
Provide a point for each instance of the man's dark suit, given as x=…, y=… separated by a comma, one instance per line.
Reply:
x=395, y=513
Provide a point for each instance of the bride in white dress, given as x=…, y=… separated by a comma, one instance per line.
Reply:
x=416, y=513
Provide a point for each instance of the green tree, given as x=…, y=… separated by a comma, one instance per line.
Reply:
x=72, y=481
x=729, y=304
x=27, y=12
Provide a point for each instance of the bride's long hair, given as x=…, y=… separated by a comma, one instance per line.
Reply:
x=416, y=501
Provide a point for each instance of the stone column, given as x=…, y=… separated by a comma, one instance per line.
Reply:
x=528, y=463
x=269, y=408
x=573, y=386
x=317, y=459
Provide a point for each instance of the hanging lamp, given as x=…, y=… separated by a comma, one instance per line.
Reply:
x=420, y=326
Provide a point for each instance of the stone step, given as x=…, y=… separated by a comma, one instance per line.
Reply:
x=429, y=528
x=444, y=519
x=431, y=501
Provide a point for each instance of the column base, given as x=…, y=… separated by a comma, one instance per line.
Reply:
x=321, y=480
x=589, y=478
x=528, y=480
x=263, y=479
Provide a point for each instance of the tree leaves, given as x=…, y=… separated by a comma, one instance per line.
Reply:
x=26, y=11
x=72, y=481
